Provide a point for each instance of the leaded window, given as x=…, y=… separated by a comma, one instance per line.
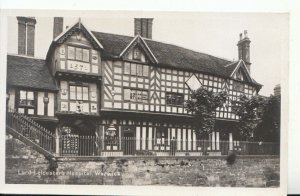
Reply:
x=174, y=99
x=79, y=54
x=136, y=69
x=79, y=93
x=135, y=95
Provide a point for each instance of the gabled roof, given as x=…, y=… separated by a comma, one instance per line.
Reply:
x=78, y=27
x=140, y=41
x=240, y=65
x=164, y=55
x=29, y=72
x=167, y=55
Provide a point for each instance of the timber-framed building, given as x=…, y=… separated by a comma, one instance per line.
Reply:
x=106, y=94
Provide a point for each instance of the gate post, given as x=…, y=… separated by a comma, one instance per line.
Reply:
x=57, y=142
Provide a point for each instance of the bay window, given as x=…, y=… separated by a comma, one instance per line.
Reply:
x=78, y=97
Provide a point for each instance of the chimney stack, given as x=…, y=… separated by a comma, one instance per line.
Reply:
x=277, y=90
x=58, y=25
x=26, y=33
x=244, y=49
x=143, y=27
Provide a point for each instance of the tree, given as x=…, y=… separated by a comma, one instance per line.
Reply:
x=268, y=130
x=203, y=104
x=249, y=111
x=259, y=117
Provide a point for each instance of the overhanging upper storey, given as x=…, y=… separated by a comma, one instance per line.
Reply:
x=75, y=53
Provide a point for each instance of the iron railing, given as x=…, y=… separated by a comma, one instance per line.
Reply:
x=31, y=130
x=75, y=145
x=87, y=145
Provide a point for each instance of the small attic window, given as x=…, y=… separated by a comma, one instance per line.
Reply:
x=239, y=75
x=136, y=54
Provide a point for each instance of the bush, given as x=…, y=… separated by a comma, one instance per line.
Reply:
x=231, y=158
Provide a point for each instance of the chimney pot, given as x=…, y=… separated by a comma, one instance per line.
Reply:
x=246, y=33
x=244, y=49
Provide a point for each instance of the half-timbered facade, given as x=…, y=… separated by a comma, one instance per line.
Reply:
x=116, y=87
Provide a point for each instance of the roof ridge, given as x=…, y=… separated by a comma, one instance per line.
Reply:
x=171, y=44
x=233, y=62
x=183, y=47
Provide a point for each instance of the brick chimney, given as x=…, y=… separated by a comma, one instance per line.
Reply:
x=277, y=90
x=244, y=49
x=26, y=32
x=58, y=24
x=143, y=27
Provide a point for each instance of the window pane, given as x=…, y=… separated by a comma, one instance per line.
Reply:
x=85, y=93
x=72, y=92
x=174, y=99
x=79, y=93
x=179, y=100
x=127, y=94
x=133, y=69
x=169, y=99
x=133, y=95
x=23, y=99
x=145, y=70
x=23, y=94
x=30, y=95
x=127, y=68
x=145, y=96
x=79, y=54
x=136, y=54
x=140, y=70
x=21, y=110
x=86, y=55
x=30, y=111
x=139, y=96
x=71, y=52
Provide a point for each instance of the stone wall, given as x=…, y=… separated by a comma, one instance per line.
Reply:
x=23, y=165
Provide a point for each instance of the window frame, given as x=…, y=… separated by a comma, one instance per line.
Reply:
x=26, y=105
x=139, y=57
x=25, y=108
x=136, y=100
x=76, y=94
x=82, y=52
x=174, y=96
x=134, y=72
x=234, y=85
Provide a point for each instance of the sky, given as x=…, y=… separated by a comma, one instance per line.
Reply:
x=212, y=33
